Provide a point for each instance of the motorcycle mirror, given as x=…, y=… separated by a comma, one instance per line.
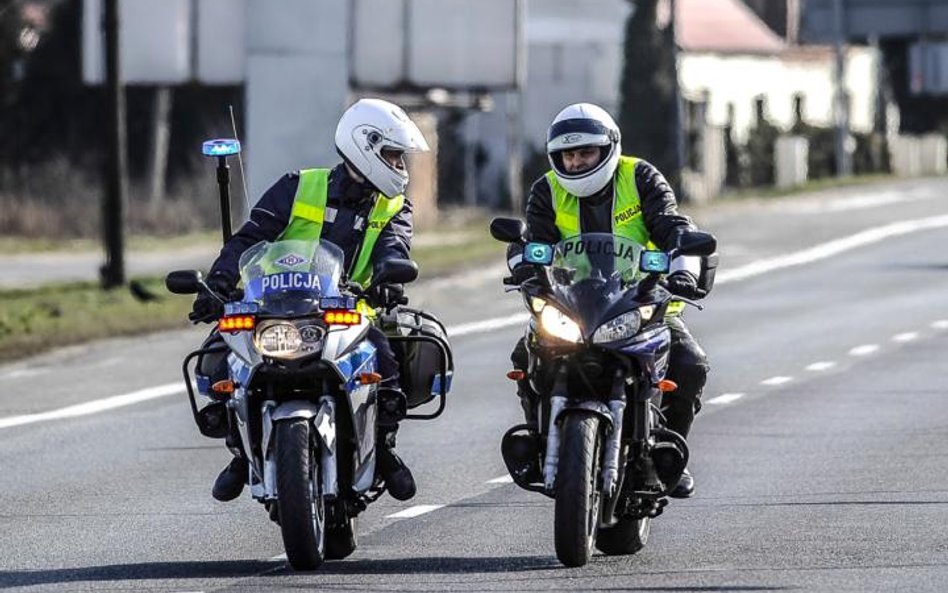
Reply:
x=396, y=271
x=696, y=243
x=508, y=230
x=183, y=282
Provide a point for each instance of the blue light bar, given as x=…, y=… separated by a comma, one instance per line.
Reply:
x=221, y=147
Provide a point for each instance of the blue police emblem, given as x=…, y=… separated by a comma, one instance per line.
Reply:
x=291, y=260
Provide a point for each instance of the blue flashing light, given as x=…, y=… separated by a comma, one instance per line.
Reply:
x=221, y=147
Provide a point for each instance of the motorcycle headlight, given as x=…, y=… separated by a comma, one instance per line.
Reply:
x=622, y=327
x=279, y=340
x=555, y=323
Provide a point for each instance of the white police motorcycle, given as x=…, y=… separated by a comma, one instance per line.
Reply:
x=302, y=387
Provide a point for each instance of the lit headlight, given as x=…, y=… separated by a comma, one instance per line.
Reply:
x=622, y=327
x=558, y=325
x=280, y=339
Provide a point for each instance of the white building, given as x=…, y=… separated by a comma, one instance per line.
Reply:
x=728, y=59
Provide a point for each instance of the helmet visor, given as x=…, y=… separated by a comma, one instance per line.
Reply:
x=574, y=133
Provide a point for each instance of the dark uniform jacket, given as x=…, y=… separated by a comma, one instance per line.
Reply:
x=347, y=209
x=659, y=208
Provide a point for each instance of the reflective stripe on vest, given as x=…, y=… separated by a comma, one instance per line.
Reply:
x=627, y=219
x=308, y=214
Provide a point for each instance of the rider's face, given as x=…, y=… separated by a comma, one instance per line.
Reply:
x=394, y=158
x=581, y=159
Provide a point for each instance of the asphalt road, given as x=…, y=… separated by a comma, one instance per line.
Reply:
x=819, y=454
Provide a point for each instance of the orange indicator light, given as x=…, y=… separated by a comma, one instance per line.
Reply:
x=666, y=386
x=342, y=317
x=225, y=387
x=235, y=323
x=516, y=375
x=370, y=378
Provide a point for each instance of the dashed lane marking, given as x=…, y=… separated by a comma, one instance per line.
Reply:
x=905, y=337
x=822, y=365
x=940, y=324
x=778, y=380
x=725, y=398
x=507, y=479
x=415, y=511
x=864, y=350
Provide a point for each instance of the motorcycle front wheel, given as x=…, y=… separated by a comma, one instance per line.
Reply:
x=576, y=514
x=299, y=495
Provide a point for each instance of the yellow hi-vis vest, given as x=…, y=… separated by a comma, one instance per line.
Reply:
x=627, y=219
x=309, y=210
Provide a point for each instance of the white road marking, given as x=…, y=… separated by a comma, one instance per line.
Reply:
x=866, y=237
x=778, y=380
x=96, y=406
x=757, y=268
x=864, y=350
x=507, y=479
x=725, y=398
x=487, y=325
x=822, y=365
x=905, y=337
x=280, y=558
x=414, y=511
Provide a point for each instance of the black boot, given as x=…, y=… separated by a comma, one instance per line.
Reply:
x=230, y=483
x=397, y=476
x=685, y=487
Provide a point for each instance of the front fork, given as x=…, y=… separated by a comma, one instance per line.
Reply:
x=322, y=418
x=612, y=446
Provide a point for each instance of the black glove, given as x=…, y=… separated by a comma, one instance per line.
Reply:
x=387, y=296
x=207, y=308
x=684, y=284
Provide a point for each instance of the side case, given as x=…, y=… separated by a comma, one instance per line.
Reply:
x=425, y=360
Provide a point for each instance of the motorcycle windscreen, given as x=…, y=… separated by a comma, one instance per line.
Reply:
x=287, y=278
x=591, y=272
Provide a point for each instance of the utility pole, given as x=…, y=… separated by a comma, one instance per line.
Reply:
x=677, y=130
x=840, y=102
x=112, y=272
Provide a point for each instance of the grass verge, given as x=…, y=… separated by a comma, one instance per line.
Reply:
x=37, y=320
x=33, y=321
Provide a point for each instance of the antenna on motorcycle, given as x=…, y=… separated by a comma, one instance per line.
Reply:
x=240, y=160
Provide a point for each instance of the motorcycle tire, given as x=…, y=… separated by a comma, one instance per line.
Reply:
x=299, y=495
x=578, y=500
x=342, y=541
x=627, y=536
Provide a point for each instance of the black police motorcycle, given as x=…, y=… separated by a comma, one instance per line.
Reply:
x=300, y=386
x=596, y=442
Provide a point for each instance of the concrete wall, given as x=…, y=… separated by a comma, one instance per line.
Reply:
x=919, y=155
x=296, y=86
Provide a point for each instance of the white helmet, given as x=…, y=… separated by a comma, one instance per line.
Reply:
x=370, y=126
x=579, y=125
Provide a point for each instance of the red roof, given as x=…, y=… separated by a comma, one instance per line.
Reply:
x=723, y=26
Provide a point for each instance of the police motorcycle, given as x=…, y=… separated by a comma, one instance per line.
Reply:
x=598, y=346
x=303, y=389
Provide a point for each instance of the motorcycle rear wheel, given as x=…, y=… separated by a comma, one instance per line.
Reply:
x=627, y=536
x=576, y=514
x=299, y=495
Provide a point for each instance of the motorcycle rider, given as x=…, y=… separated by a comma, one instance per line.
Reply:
x=357, y=205
x=593, y=188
